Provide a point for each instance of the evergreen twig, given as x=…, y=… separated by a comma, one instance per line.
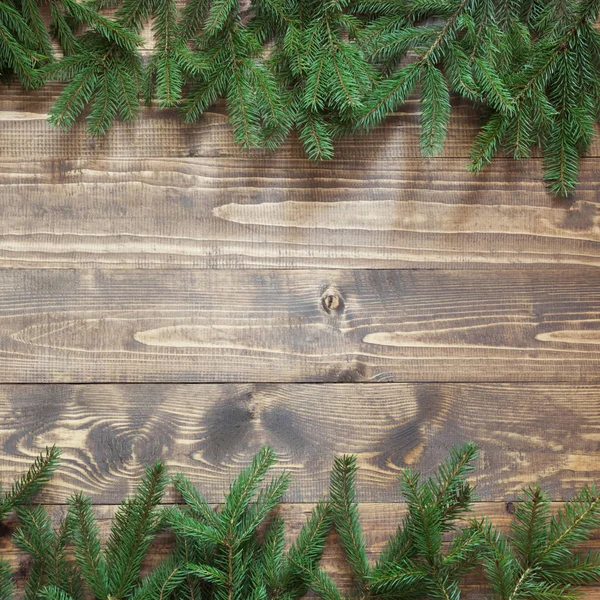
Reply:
x=34, y=537
x=27, y=486
x=538, y=559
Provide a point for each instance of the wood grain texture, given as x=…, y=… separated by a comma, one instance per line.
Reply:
x=302, y=326
x=162, y=133
x=100, y=242
x=108, y=433
x=379, y=522
x=289, y=213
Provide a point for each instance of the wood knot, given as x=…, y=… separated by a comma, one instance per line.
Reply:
x=510, y=508
x=332, y=302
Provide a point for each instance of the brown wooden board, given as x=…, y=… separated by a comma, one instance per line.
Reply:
x=26, y=135
x=311, y=326
x=108, y=433
x=241, y=212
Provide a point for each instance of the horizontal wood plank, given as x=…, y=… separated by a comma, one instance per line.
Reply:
x=299, y=326
x=379, y=521
x=162, y=133
x=288, y=213
x=108, y=433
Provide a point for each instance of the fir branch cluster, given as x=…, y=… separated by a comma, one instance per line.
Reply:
x=325, y=68
x=20, y=495
x=240, y=551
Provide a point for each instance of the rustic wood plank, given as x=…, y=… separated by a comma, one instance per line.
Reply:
x=302, y=326
x=379, y=522
x=108, y=433
x=246, y=213
x=162, y=133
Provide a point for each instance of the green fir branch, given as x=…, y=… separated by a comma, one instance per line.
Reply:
x=27, y=486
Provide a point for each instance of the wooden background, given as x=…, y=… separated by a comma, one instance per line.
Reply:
x=165, y=296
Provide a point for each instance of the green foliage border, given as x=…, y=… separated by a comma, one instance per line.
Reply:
x=325, y=68
x=237, y=551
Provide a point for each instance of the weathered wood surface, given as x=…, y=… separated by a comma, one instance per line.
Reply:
x=312, y=326
x=379, y=522
x=104, y=246
x=108, y=433
x=162, y=133
x=272, y=211
x=25, y=134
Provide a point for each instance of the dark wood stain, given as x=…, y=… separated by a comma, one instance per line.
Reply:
x=240, y=212
x=72, y=326
x=110, y=432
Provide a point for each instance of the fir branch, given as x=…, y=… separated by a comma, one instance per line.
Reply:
x=425, y=516
x=231, y=560
x=499, y=562
x=211, y=574
x=266, y=501
x=397, y=578
x=34, y=533
x=344, y=509
x=6, y=584
x=436, y=111
x=109, y=29
x=272, y=553
x=31, y=13
x=392, y=92
x=135, y=525
x=194, y=501
x=74, y=97
x=326, y=69
x=193, y=16
x=163, y=582
x=305, y=554
x=25, y=488
x=414, y=559
x=398, y=548
x=320, y=583
x=35, y=536
x=229, y=555
x=574, y=524
x=488, y=142
x=188, y=526
x=538, y=560
x=317, y=137
x=244, y=488
x=451, y=492
x=132, y=14
x=88, y=553
x=529, y=528
x=53, y=593
x=101, y=64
